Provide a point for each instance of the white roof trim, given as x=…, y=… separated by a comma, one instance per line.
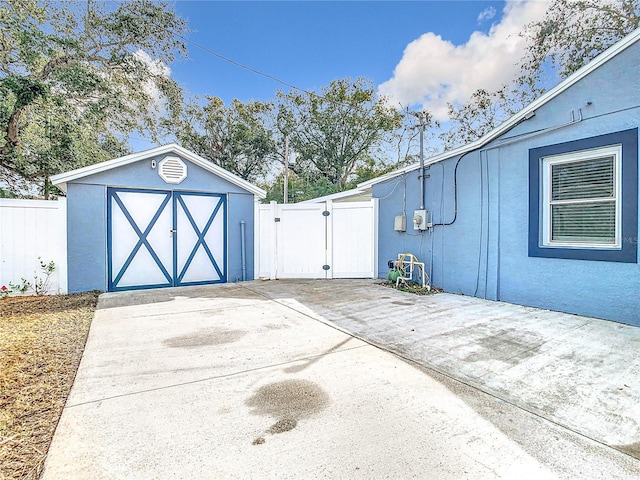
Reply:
x=507, y=125
x=335, y=196
x=62, y=178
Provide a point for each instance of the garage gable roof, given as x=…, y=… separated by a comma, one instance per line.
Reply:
x=61, y=179
x=523, y=114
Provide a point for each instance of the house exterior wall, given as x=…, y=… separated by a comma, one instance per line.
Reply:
x=485, y=252
x=86, y=237
x=87, y=218
x=240, y=208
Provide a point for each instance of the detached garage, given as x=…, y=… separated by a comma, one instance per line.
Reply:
x=160, y=218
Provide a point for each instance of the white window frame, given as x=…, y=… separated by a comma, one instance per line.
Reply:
x=614, y=151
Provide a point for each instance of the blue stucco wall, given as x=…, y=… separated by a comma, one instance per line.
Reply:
x=86, y=237
x=240, y=208
x=87, y=219
x=485, y=252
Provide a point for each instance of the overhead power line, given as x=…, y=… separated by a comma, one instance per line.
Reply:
x=238, y=64
x=256, y=71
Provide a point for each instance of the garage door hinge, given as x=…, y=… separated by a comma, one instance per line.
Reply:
x=326, y=213
x=277, y=219
x=326, y=267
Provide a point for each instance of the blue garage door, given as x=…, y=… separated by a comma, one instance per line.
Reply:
x=164, y=238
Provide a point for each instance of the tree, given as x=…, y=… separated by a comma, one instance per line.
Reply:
x=337, y=130
x=571, y=34
x=85, y=72
x=301, y=188
x=574, y=32
x=236, y=137
x=407, y=138
x=483, y=112
x=52, y=142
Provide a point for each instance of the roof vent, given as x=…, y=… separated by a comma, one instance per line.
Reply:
x=172, y=170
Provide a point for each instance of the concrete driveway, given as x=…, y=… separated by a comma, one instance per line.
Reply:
x=254, y=380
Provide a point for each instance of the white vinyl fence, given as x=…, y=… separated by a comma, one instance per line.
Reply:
x=30, y=229
x=317, y=240
x=321, y=240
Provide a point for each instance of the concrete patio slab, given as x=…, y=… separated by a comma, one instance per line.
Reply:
x=582, y=373
x=251, y=381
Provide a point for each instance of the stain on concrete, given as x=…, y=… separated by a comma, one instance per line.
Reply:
x=397, y=302
x=204, y=338
x=283, y=425
x=288, y=401
x=632, y=449
x=510, y=345
x=276, y=326
x=301, y=366
x=258, y=441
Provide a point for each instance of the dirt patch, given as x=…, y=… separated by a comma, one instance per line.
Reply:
x=205, y=338
x=41, y=343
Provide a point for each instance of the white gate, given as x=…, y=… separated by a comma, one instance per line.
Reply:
x=318, y=240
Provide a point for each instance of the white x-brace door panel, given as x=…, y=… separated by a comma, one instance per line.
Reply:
x=162, y=238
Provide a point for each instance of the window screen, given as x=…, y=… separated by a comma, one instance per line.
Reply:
x=583, y=201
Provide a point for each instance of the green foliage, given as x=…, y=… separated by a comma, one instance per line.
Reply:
x=484, y=112
x=6, y=194
x=573, y=32
x=301, y=188
x=335, y=132
x=235, y=137
x=407, y=139
x=39, y=286
x=410, y=287
x=77, y=78
x=24, y=90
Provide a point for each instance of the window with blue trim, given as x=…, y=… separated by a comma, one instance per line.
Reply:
x=583, y=199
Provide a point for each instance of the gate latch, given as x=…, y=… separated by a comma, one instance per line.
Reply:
x=326, y=213
x=276, y=219
x=326, y=267
x=172, y=231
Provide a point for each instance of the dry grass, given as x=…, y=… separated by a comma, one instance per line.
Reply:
x=41, y=343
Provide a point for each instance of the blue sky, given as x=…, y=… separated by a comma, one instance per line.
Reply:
x=309, y=43
x=439, y=50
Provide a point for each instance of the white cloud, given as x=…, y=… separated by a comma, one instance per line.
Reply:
x=434, y=71
x=159, y=68
x=487, y=14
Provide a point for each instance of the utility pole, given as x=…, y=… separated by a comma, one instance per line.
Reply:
x=421, y=118
x=422, y=162
x=286, y=169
